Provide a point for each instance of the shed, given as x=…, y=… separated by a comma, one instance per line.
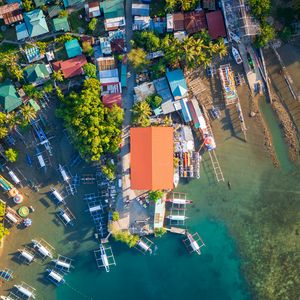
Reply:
x=178, y=21
x=139, y=9
x=195, y=21
x=36, y=23
x=151, y=155
x=216, y=25
x=61, y=24
x=92, y=9
x=9, y=99
x=73, y=48
x=110, y=99
x=177, y=84
x=21, y=31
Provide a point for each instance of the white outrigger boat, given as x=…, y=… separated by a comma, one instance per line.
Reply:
x=236, y=55
x=193, y=243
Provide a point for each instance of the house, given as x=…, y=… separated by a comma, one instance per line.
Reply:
x=33, y=54
x=141, y=23
x=40, y=3
x=21, y=32
x=177, y=84
x=158, y=24
x=216, y=25
x=151, y=158
x=109, y=76
x=11, y=13
x=54, y=10
x=36, y=23
x=105, y=63
x=61, y=24
x=117, y=45
x=105, y=45
x=178, y=21
x=92, y=9
x=71, y=67
x=68, y=3
x=9, y=99
x=114, y=15
x=144, y=90
x=37, y=74
x=194, y=21
x=139, y=9
x=110, y=99
x=73, y=48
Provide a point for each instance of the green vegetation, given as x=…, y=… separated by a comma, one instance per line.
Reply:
x=48, y=87
x=63, y=38
x=158, y=69
x=3, y=128
x=42, y=46
x=267, y=33
x=87, y=48
x=109, y=170
x=3, y=231
x=155, y=195
x=58, y=76
x=63, y=13
x=185, y=5
x=92, y=25
x=154, y=101
x=27, y=5
x=126, y=237
x=115, y=216
x=32, y=92
x=12, y=155
x=141, y=113
x=77, y=21
x=95, y=129
x=28, y=113
x=137, y=58
x=90, y=70
x=147, y=40
x=159, y=232
x=157, y=8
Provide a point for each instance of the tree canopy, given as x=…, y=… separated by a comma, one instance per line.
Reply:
x=155, y=195
x=141, y=113
x=11, y=154
x=185, y=5
x=137, y=58
x=95, y=129
x=90, y=70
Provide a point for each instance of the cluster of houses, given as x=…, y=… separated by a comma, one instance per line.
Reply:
x=112, y=72
x=209, y=18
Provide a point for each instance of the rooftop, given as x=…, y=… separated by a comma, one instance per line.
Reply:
x=36, y=72
x=112, y=8
x=68, y=3
x=195, y=21
x=11, y=13
x=178, y=21
x=177, y=83
x=110, y=99
x=139, y=9
x=35, y=22
x=9, y=99
x=216, y=25
x=61, y=24
x=73, y=48
x=151, y=154
x=21, y=31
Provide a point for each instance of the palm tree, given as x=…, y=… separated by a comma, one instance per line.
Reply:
x=222, y=48
x=141, y=112
x=12, y=120
x=3, y=132
x=28, y=113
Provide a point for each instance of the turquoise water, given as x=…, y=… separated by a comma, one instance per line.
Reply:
x=170, y=273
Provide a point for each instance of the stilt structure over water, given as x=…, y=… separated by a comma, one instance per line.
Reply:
x=24, y=291
x=144, y=245
x=193, y=243
x=43, y=248
x=104, y=257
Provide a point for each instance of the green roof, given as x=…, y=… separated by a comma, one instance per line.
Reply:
x=39, y=3
x=61, y=24
x=35, y=106
x=36, y=72
x=9, y=99
x=54, y=11
x=36, y=23
x=68, y=3
x=112, y=8
x=73, y=48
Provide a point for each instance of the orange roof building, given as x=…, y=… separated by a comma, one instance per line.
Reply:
x=151, y=152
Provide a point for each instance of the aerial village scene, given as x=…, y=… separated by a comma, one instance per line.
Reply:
x=149, y=149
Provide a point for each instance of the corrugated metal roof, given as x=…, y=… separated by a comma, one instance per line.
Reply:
x=139, y=9
x=177, y=83
x=73, y=48
x=185, y=111
x=216, y=25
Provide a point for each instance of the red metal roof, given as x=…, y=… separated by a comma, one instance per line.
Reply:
x=11, y=13
x=110, y=99
x=117, y=45
x=216, y=26
x=151, y=158
x=178, y=21
x=194, y=21
x=71, y=67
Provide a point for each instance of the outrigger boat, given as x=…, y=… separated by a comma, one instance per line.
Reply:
x=236, y=55
x=193, y=243
x=179, y=201
x=55, y=277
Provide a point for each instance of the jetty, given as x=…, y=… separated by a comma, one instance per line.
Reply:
x=104, y=257
x=193, y=243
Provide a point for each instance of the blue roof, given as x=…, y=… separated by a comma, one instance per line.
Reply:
x=35, y=22
x=185, y=111
x=177, y=83
x=68, y=3
x=21, y=31
x=73, y=48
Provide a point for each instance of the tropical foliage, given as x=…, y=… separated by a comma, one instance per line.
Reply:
x=3, y=231
x=155, y=195
x=92, y=25
x=87, y=48
x=137, y=58
x=147, y=40
x=126, y=237
x=32, y=92
x=12, y=155
x=115, y=216
x=154, y=101
x=185, y=5
x=90, y=70
x=28, y=113
x=159, y=232
x=58, y=76
x=109, y=170
x=95, y=129
x=27, y=5
x=141, y=113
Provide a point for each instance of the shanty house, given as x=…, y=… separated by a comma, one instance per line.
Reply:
x=73, y=48
x=61, y=24
x=9, y=99
x=195, y=21
x=114, y=15
x=216, y=25
x=178, y=21
x=92, y=9
x=11, y=13
x=37, y=74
